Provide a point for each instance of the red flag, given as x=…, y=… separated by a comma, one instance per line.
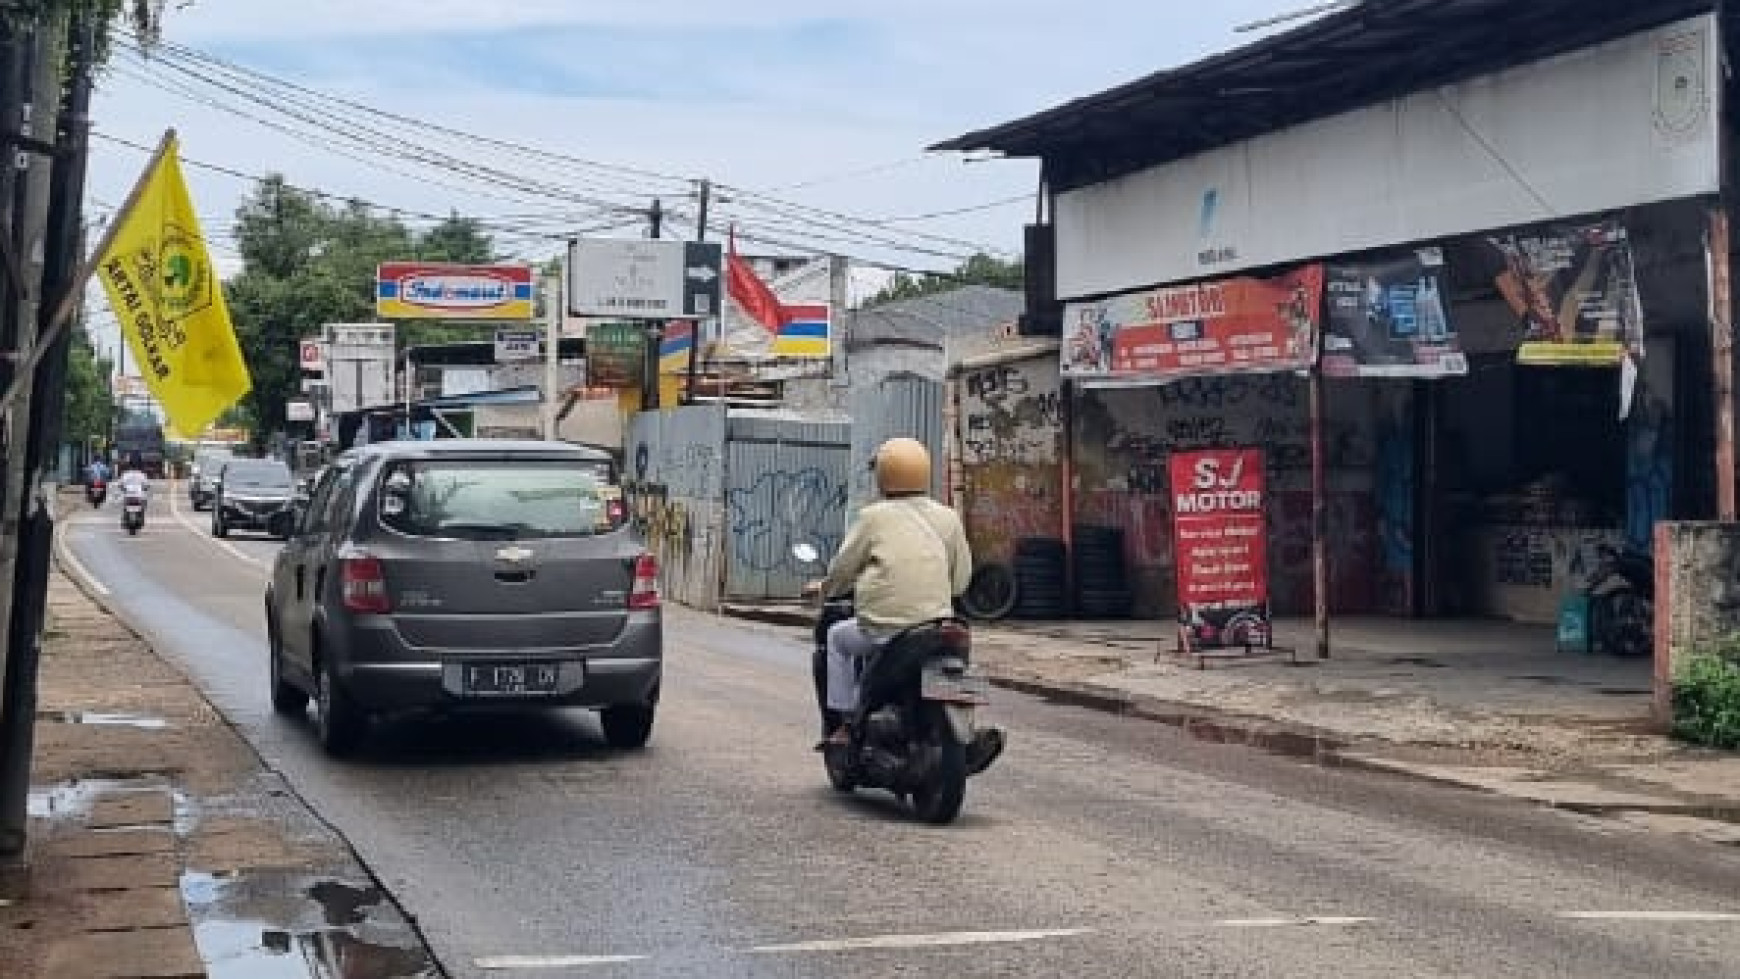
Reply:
x=750, y=292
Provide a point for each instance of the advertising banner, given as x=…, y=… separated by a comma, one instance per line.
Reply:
x=615, y=355
x=1220, y=327
x=1389, y=317
x=1220, y=540
x=439, y=291
x=1575, y=288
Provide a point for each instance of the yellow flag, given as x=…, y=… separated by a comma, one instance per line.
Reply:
x=161, y=283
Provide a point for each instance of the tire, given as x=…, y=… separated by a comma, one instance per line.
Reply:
x=627, y=726
x=339, y=722
x=1046, y=548
x=992, y=593
x=132, y=530
x=938, y=802
x=218, y=528
x=287, y=698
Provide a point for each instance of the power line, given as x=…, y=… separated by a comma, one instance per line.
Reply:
x=796, y=212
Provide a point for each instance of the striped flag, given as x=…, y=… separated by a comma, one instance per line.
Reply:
x=805, y=330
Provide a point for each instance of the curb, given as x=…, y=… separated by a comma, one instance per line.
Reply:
x=797, y=617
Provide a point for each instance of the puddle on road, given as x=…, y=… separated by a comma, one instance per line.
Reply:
x=115, y=720
x=285, y=925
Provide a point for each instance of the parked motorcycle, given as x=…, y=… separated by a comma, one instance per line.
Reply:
x=1621, y=591
x=133, y=513
x=914, y=730
x=97, y=492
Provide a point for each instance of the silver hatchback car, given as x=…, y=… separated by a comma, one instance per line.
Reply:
x=465, y=573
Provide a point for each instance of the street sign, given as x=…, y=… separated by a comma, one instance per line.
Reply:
x=513, y=345
x=312, y=354
x=638, y=279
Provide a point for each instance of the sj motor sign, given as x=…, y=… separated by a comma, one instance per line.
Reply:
x=424, y=291
x=1219, y=537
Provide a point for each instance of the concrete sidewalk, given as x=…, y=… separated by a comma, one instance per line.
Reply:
x=160, y=843
x=1488, y=706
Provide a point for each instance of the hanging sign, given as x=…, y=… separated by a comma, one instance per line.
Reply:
x=1388, y=318
x=615, y=355
x=1575, y=288
x=1219, y=327
x=1220, y=545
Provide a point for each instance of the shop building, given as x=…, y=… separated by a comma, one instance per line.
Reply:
x=1458, y=267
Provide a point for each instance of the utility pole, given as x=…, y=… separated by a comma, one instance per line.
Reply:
x=695, y=344
x=62, y=263
x=655, y=329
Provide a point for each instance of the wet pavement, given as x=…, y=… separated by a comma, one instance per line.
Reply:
x=1100, y=845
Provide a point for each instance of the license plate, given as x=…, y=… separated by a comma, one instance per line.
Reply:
x=509, y=679
x=963, y=688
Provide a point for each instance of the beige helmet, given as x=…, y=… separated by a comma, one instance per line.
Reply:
x=902, y=467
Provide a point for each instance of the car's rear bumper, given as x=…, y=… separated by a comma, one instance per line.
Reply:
x=595, y=682
x=383, y=674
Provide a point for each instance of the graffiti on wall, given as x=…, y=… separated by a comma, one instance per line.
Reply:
x=1012, y=413
x=1005, y=502
x=779, y=509
x=1125, y=437
x=1649, y=469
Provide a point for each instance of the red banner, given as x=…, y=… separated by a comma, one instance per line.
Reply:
x=1220, y=546
x=1242, y=324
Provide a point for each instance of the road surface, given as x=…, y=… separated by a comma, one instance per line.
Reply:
x=1099, y=846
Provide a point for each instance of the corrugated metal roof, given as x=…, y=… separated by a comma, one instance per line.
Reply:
x=1378, y=50
x=929, y=320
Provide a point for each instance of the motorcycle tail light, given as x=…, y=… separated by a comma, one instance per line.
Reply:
x=956, y=635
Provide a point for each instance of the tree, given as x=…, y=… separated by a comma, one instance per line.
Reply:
x=90, y=404
x=307, y=263
x=981, y=269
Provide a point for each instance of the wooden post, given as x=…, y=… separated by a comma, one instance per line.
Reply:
x=1722, y=357
x=1319, y=517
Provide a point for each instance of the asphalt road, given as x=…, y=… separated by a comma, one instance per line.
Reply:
x=1099, y=846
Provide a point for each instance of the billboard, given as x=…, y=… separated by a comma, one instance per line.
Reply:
x=445, y=291
x=644, y=279
x=1389, y=317
x=1574, y=286
x=1226, y=326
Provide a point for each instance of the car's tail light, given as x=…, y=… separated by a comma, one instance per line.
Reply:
x=644, y=593
x=365, y=586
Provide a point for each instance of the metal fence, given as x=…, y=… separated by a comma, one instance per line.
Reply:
x=898, y=407
x=785, y=483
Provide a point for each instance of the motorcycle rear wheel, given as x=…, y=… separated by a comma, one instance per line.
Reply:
x=938, y=801
x=839, y=769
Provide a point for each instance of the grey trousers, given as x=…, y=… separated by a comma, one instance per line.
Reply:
x=848, y=645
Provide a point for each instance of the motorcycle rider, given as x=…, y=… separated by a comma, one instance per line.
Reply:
x=135, y=484
x=905, y=559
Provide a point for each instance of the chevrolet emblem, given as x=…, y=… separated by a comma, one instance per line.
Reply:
x=514, y=555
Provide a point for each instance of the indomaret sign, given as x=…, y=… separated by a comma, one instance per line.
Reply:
x=1220, y=547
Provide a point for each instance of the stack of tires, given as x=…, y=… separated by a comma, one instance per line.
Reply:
x=1039, y=579
x=1102, y=586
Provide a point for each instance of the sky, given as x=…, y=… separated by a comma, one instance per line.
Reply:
x=818, y=105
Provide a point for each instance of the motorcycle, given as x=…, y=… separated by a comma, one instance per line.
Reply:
x=914, y=731
x=96, y=492
x=1621, y=591
x=133, y=513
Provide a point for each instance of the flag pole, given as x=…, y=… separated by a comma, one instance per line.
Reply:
x=69, y=302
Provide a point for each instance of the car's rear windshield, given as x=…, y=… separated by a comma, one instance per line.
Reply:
x=257, y=475
x=500, y=500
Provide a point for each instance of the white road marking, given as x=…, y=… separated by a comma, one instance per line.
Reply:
x=939, y=940
x=70, y=561
x=1650, y=915
x=502, y=962
x=1290, y=922
x=204, y=534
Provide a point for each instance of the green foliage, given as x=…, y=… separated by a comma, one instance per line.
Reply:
x=981, y=269
x=306, y=263
x=1706, y=696
x=90, y=405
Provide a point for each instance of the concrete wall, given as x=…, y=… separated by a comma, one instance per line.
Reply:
x=1697, y=596
x=676, y=487
x=1010, y=444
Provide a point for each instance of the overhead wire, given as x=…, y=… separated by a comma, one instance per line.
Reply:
x=796, y=213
